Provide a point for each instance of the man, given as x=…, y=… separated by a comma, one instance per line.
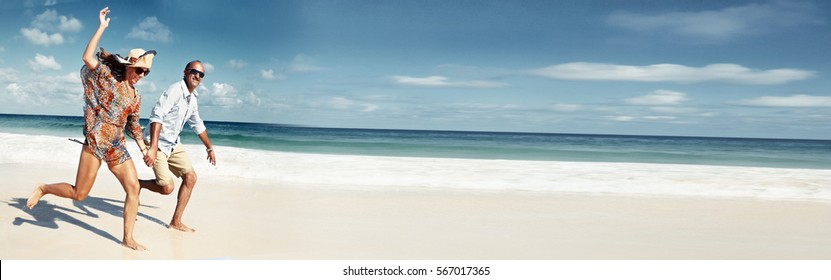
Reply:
x=176, y=107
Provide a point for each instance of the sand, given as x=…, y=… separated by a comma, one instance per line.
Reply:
x=239, y=219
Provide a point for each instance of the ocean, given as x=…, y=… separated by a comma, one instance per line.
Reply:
x=749, y=152
x=275, y=155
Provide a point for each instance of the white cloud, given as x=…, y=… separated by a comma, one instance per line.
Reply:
x=49, y=21
x=39, y=90
x=484, y=107
x=432, y=81
x=70, y=25
x=622, y=118
x=17, y=94
x=71, y=77
x=642, y=118
x=208, y=67
x=8, y=75
x=658, y=98
x=43, y=62
x=721, y=24
x=342, y=103
x=725, y=72
x=145, y=86
x=440, y=81
x=799, y=100
x=659, y=118
x=151, y=29
x=251, y=99
x=370, y=107
x=38, y=37
x=567, y=107
x=672, y=110
x=46, y=21
x=305, y=63
x=269, y=75
x=226, y=96
x=237, y=64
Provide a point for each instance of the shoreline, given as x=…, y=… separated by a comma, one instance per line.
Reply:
x=384, y=173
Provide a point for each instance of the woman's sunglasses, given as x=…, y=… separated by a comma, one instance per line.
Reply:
x=196, y=72
x=144, y=71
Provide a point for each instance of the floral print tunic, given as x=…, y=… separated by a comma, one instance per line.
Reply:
x=109, y=109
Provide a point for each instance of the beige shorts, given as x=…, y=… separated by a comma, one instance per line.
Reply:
x=177, y=164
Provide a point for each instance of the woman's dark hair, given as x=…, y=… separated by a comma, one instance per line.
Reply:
x=116, y=68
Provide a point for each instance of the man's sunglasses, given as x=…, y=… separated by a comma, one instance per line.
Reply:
x=196, y=72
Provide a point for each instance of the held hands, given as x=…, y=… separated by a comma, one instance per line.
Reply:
x=150, y=156
x=103, y=21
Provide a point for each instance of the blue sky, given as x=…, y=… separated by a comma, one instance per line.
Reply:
x=694, y=68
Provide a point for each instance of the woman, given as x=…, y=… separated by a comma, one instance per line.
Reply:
x=111, y=102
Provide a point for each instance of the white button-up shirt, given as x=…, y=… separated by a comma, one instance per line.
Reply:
x=176, y=107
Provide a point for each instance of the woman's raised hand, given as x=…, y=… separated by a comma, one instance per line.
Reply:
x=103, y=21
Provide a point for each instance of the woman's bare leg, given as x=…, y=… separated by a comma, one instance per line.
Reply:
x=88, y=166
x=126, y=174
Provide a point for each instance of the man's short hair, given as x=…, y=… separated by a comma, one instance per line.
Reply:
x=187, y=66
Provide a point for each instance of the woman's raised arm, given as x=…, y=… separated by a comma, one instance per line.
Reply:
x=89, y=52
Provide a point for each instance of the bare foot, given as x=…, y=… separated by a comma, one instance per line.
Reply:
x=181, y=227
x=36, y=195
x=133, y=245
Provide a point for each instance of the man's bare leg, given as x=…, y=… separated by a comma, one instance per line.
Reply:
x=155, y=187
x=188, y=182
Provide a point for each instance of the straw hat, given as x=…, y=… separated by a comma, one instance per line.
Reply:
x=138, y=58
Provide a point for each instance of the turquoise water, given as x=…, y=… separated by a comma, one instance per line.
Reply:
x=784, y=153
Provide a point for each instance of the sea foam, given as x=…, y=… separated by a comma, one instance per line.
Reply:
x=408, y=173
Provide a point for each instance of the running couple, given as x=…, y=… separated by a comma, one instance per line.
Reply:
x=111, y=106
